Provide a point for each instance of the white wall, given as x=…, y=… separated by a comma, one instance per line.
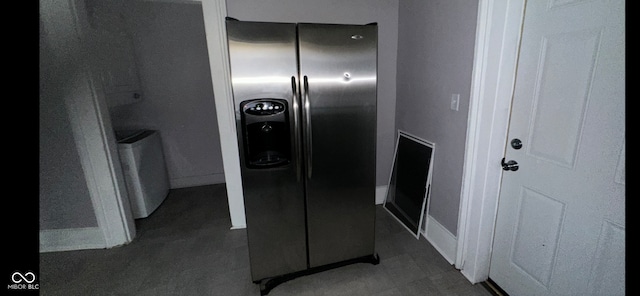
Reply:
x=64, y=196
x=171, y=51
x=69, y=80
x=384, y=12
x=435, y=58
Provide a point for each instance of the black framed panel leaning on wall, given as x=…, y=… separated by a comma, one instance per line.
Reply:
x=410, y=181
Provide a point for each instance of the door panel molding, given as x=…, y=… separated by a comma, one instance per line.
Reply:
x=605, y=273
x=575, y=88
x=533, y=241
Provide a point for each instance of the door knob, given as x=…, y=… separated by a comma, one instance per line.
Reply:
x=510, y=165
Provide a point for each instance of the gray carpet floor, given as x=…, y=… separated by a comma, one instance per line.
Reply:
x=186, y=247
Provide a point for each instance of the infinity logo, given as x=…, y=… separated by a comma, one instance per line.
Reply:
x=28, y=277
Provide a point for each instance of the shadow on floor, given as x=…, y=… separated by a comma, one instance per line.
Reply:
x=186, y=247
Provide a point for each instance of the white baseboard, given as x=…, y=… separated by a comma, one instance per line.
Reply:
x=441, y=239
x=55, y=240
x=381, y=194
x=197, y=181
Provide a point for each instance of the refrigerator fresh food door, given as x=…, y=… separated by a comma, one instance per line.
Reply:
x=338, y=93
x=265, y=86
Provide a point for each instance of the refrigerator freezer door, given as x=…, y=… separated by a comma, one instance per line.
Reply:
x=264, y=74
x=338, y=72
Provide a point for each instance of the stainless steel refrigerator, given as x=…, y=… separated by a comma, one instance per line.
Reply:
x=305, y=109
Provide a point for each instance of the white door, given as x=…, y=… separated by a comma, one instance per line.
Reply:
x=560, y=228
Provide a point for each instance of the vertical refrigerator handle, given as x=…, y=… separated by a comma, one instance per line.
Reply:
x=296, y=127
x=307, y=130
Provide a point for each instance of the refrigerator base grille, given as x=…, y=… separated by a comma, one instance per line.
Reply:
x=269, y=283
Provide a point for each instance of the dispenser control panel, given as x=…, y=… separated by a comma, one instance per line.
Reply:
x=263, y=107
x=265, y=132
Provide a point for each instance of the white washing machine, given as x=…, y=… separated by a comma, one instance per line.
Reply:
x=145, y=170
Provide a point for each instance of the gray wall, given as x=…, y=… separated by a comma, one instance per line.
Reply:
x=171, y=51
x=384, y=12
x=435, y=57
x=64, y=196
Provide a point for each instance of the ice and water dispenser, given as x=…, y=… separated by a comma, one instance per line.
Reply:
x=265, y=129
